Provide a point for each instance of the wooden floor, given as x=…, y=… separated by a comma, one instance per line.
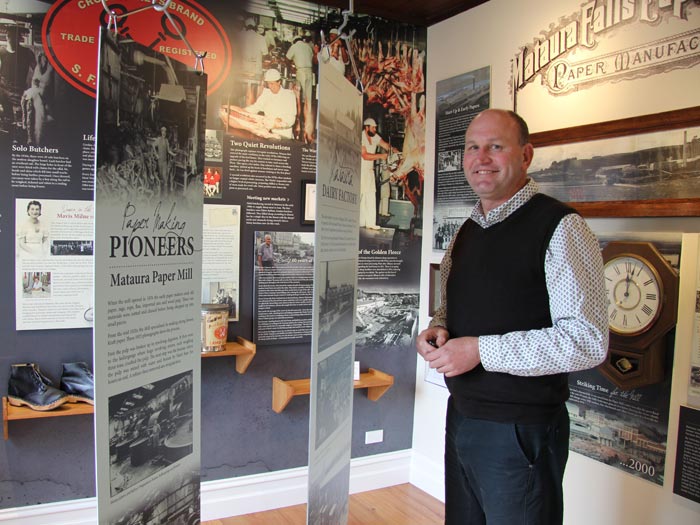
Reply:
x=397, y=505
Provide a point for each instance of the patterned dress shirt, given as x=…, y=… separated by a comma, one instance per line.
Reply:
x=578, y=337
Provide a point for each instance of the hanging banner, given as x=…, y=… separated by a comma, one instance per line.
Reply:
x=148, y=278
x=335, y=285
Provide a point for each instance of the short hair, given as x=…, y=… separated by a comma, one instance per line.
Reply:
x=523, y=131
x=33, y=203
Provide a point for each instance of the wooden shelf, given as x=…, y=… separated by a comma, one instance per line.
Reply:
x=242, y=349
x=12, y=413
x=375, y=381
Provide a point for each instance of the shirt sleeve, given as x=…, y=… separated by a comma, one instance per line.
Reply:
x=288, y=113
x=578, y=337
x=259, y=104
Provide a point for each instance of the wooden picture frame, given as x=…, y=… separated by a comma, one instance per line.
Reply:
x=308, y=201
x=433, y=289
x=569, y=138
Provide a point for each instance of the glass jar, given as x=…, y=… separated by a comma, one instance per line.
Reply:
x=214, y=327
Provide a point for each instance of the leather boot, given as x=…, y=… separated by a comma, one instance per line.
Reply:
x=77, y=381
x=28, y=386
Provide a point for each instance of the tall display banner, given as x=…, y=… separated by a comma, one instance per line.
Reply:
x=459, y=100
x=335, y=285
x=148, y=278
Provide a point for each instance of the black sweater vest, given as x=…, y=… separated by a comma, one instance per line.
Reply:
x=497, y=285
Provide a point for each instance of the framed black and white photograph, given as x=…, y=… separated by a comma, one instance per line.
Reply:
x=646, y=166
x=308, y=202
x=434, y=289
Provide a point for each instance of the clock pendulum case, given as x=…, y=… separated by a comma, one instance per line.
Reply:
x=642, y=290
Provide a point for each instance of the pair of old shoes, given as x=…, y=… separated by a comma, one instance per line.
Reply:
x=29, y=387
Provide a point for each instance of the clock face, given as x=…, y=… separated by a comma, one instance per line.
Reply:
x=634, y=294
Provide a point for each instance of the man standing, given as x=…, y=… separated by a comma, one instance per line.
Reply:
x=16, y=67
x=371, y=140
x=303, y=56
x=278, y=104
x=164, y=152
x=523, y=304
x=266, y=255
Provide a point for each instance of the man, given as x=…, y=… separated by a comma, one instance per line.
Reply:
x=266, y=254
x=303, y=56
x=164, y=152
x=16, y=67
x=339, y=57
x=278, y=104
x=523, y=304
x=371, y=140
x=254, y=48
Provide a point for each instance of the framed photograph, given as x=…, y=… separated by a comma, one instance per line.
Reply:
x=308, y=201
x=646, y=166
x=434, y=289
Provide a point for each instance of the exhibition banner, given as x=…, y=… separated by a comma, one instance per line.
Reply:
x=148, y=278
x=458, y=100
x=53, y=268
x=335, y=285
x=258, y=175
x=626, y=428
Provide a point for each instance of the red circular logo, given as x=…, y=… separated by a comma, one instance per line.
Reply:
x=220, y=332
x=71, y=37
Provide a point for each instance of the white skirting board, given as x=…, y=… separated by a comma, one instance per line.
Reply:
x=427, y=476
x=235, y=496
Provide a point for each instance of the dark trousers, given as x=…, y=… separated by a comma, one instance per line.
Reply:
x=504, y=473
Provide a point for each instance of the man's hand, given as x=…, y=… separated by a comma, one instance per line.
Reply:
x=451, y=357
x=431, y=338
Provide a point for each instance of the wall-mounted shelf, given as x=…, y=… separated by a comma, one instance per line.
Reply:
x=375, y=381
x=242, y=349
x=12, y=413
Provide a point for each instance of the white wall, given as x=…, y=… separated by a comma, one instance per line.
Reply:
x=491, y=35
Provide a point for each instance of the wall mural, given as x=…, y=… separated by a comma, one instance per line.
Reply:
x=259, y=145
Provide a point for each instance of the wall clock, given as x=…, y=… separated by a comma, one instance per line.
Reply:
x=642, y=290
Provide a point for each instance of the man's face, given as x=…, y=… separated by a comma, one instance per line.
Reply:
x=371, y=130
x=274, y=86
x=495, y=164
x=268, y=240
x=163, y=132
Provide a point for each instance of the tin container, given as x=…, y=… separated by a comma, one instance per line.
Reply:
x=214, y=327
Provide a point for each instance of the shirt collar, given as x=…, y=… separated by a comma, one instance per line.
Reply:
x=502, y=212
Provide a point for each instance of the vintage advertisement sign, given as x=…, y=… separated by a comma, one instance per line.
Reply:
x=71, y=29
x=568, y=56
x=148, y=278
x=596, y=51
